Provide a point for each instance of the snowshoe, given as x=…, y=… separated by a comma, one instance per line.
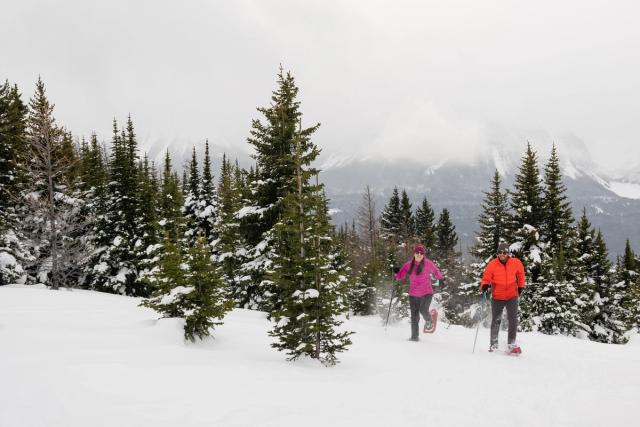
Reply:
x=431, y=328
x=514, y=350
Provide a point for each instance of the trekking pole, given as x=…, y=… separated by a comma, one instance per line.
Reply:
x=484, y=298
x=390, y=300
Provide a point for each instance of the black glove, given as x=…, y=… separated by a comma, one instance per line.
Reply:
x=485, y=289
x=441, y=284
x=520, y=291
x=396, y=269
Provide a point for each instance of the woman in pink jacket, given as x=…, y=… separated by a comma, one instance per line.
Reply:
x=420, y=270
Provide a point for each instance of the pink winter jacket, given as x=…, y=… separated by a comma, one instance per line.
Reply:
x=420, y=284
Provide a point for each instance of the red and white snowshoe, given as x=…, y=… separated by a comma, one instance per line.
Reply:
x=514, y=350
x=429, y=329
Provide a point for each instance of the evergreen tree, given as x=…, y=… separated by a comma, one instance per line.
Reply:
x=527, y=216
x=609, y=324
x=171, y=201
x=274, y=142
x=493, y=221
x=117, y=265
x=52, y=218
x=558, y=216
x=189, y=287
x=229, y=248
x=585, y=286
x=311, y=289
x=201, y=204
x=628, y=282
x=391, y=218
x=407, y=223
x=449, y=261
x=425, y=227
x=13, y=253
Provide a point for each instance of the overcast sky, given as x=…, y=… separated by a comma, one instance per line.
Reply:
x=393, y=78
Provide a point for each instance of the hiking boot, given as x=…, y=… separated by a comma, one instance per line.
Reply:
x=493, y=347
x=414, y=339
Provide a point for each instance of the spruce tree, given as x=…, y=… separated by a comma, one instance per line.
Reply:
x=52, y=218
x=13, y=252
x=551, y=302
x=407, y=223
x=451, y=296
x=493, y=221
x=609, y=324
x=425, y=227
x=558, y=216
x=585, y=285
x=188, y=286
x=367, y=257
x=230, y=245
x=274, y=177
x=527, y=215
x=391, y=218
x=311, y=288
x=170, y=201
x=118, y=264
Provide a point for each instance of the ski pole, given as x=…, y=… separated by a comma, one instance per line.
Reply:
x=389, y=311
x=484, y=298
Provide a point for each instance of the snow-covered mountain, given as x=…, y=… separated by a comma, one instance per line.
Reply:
x=612, y=203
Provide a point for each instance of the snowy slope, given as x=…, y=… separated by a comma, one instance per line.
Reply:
x=77, y=358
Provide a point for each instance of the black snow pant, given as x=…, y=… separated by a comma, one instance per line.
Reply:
x=496, y=315
x=418, y=306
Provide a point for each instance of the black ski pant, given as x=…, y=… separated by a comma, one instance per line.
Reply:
x=418, y=306
x=496, y=316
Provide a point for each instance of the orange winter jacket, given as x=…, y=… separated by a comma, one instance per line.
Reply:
x=505, y=279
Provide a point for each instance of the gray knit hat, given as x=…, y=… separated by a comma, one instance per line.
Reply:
x=503, y=246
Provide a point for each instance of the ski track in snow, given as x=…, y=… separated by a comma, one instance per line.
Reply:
x=80, y=358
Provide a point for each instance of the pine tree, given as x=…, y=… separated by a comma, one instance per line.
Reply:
x=425, y=227
x=628, y=282
x=449, y=261
x=407, y=223
x=13, y=253
x=201, y=204
x=53, y=215
x=609, y=324
x=391, y=218
x=551, y=302
x=117, y=265
x=274, y=142
x=310, y=286
x=585, y=285
x=558, y=216
x=189, y=287
x=171, y=201
x=366, y=252
x=230, y=245
x=493, y=222
x=527, y=215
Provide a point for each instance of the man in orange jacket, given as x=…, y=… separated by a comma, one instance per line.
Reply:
x=505, y=275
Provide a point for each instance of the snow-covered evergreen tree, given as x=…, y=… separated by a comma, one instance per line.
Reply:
x=274, y=178
x=188, y=286
x=391, y=217
x=425, y=226
x=116, y=261
x=307, y=271
x=52, y=217
x=552, y=300
x=14, y=254
x=527, y=215
x=609, y=324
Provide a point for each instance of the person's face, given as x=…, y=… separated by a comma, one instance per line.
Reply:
x=503, y=255
x=418, y=256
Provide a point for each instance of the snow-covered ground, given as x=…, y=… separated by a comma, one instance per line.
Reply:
x=78, y=358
